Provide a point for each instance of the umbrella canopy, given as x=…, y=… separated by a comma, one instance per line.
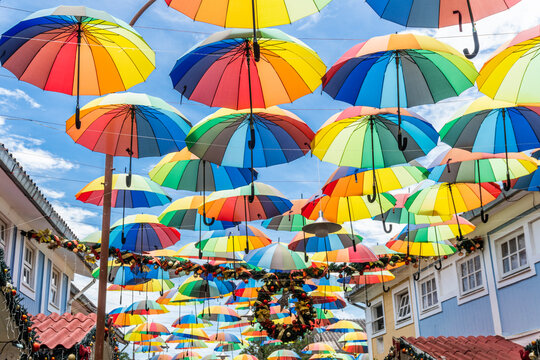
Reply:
x=234, y=205
x=220, y=71
x=190, y=321
x=245, y=357
x=349, y=208
x=202, y=288
x=151, y=328
x=439, y=13
x=337, y=303
x=126, y=319
x=399, y=214
x=224, y=337
x=130, y=124
x=283, y=354
x=510, y=75
x=183, y=214
x=360, y=254
x=189, y=251
x=417, y=248
x=181, y=335
x=276, y=256
x=328, y=285
x=229, y=347
x=161, y=357
x=50, y=47
x=344, y=326
x=191, y=344
x=249, y=289
x=318, y=348
x=142, y=232
x=428, y=71
x=436, y=232
x=219, y=313
x=366, y=137
x=234, y=239
x=123, y=274
x=529, y=182
x=234, y=13
x=224, y=137
x=369, y=277
x=187, y=355
x=347, y=181
x=353, y=337
x=184, y=170
x=355, y=347
x=146, y=307
x=148, y=349
x=142, y=193
x=335, y=241
x=152, y=285
x=291, y=220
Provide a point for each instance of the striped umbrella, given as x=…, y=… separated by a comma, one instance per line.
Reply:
x=157, y=341
x=146, y=307
x=344, y=326
x=245, y=357
x=494, y=127
x=249, y=289
x=291, y=220
x=318, y=348
x=130, y=124
x=369, y=277
x=357, y=336
x=203, y=289
x=131, y=336
x=529, y=182
x=418, y=248
x=151, y=328
x=337, y=303
x=234, y=239
x=152, y=285
x=361, y=254
x=219, y=313
x=181, y=335
x=283, y=354
x=190, y=321
x=191, y=344
x=161, y=357
x=436, y=232
x=330, y=284
x=148, y=349
x=224, y=337
x=124, y=319
x=234, y=325
x=189, y=251
x=276, y=256
x=187, y=355
x=50, y=47
x=335, y=241
x=510, y=75
x=142, y=232
x=142, y=192
x=355, y=347
x=399, y=214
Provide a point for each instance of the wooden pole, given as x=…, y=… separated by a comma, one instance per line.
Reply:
x=104, y=259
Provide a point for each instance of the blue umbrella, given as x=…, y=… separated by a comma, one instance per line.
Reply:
x=529, y=182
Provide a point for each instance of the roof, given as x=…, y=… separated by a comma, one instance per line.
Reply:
x=467, y=348
x=62, y=330
x=15, y=171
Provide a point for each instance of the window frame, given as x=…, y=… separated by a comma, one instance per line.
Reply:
x=517, y=253
x=436, y=304
x=28, y=289
x=459, y=269
x=397, y=291
x=373, y=319
x=7, y=240
x=55, y=304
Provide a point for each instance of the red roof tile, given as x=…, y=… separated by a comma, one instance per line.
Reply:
x=467, y=348
x=62, y=330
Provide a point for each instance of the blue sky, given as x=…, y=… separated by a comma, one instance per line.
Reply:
x=32, y=120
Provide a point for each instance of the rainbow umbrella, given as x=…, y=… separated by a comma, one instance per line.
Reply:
x=142, y=192
x=235, y=325
x=274, y=342
x=355, y=347
x=187, y=355
x=219, y=313
x=366, y=137
x=161, y=357
x=142, y=232
x=290, y=220
x=276, y=256
x=428, y=71
x=311, y=243
x=494, y=127
x=183, y=214
x=361, y=254
x=123, y=319
x=234, y=239
x=215, y=357
x=510, y=75
x=248, y=289
x=369, y=277
x=137, y=337
x=151, y=328
x=330, y=284
x=347, y=181
x=181, y=335
x=158, y=341
x=124, y=274
x=399, y=214
x=436, y=232
x=223, y=71
x=229, y=347
x=50, y=47
x=418, y=248
x=224, y=337
x=245, y=357
x=190, y=321
x=321, y=298
x=189, y=251
x=318, y=348
x=149, y=349
x=283, y=354
x=146, y=307
x=130, y=124
x=202, y=288
x=255, y=332
x=357, y=336
x=152, y=285
x=344, y=326
x=337, y=303
x=324, y=317
x=191, y=344
x=529, y=182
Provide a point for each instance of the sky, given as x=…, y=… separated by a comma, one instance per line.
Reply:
x=32, y=120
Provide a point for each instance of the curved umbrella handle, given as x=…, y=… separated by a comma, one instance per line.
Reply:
x=251, y=141
x=385, y=289
x=507, y=184
x=476, y=45
x=416, y=275
x=372, y=197
x=161, y=292
x=484, y=216
x=208, y=221
x=402, y=142
x=111, y=279
x=438, y=265
x=251, y=196
x=200, y=253
x=389, y=230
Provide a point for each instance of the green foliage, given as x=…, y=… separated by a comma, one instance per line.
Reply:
x=263, y=351
x=123, y=356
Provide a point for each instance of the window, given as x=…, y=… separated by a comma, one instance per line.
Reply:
x=513, y=254
x=3, y=235
x=403, y=306
x=377, y=316
x=470, y=274
x=428, y=292
x=28, y=267
x=55, y=284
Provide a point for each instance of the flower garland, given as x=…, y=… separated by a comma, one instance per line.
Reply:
x=400, y=346
x=18, y=313
x=470, y=245
x=531, y=351
x=305, y=313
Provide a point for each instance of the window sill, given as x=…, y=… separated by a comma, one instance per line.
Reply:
x=435, y=309
x=379, y=333
x=472, y=295
x=516, y=276
x=403, y=322
x=53, y=308
x=28, y=291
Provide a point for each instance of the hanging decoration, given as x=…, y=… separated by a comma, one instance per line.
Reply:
x=469, y=246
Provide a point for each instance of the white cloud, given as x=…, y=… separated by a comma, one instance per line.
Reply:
x=7, y=95
x=52, y=194
x=76, y=218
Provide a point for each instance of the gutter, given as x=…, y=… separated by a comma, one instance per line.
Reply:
x=82, y=291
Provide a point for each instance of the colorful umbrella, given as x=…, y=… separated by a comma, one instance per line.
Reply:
x=344, y=326
x=428, y=248
x=142, y=192
x=123, y=319
x=436, y=232
x=224, y=337
x=146, y=307
x=366, y=137
x=229, y=347
x=369, y=277
x=223, y=70
x=276, y=256
x=290, y=220
x=158, y=341
x=249, y=289
x=161, y=357
x=151, y=328
x=155, y=127
x=399, y=215
x=187, y=355
x=191, y=344
x=180, y=335
x=356, y=347
x=494, y=127
x=234, y=239
x=245, y=357
x=149, y=349
x=357, y=336
x=330, y=284
x=318, y=348
x=219, y=313
x=283, y=354
x=190, y=321
x=510, y=75
x=131, y=336
x=529, y=182
x=50, y=47
x=152, y=285
x=337, y=303
x=189, y=251
x=142, y=232
x=311, y=243
x=361, y=254
x=202, y=288
x=348, y=181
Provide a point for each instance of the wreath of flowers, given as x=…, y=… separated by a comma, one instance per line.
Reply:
x=305, y=313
